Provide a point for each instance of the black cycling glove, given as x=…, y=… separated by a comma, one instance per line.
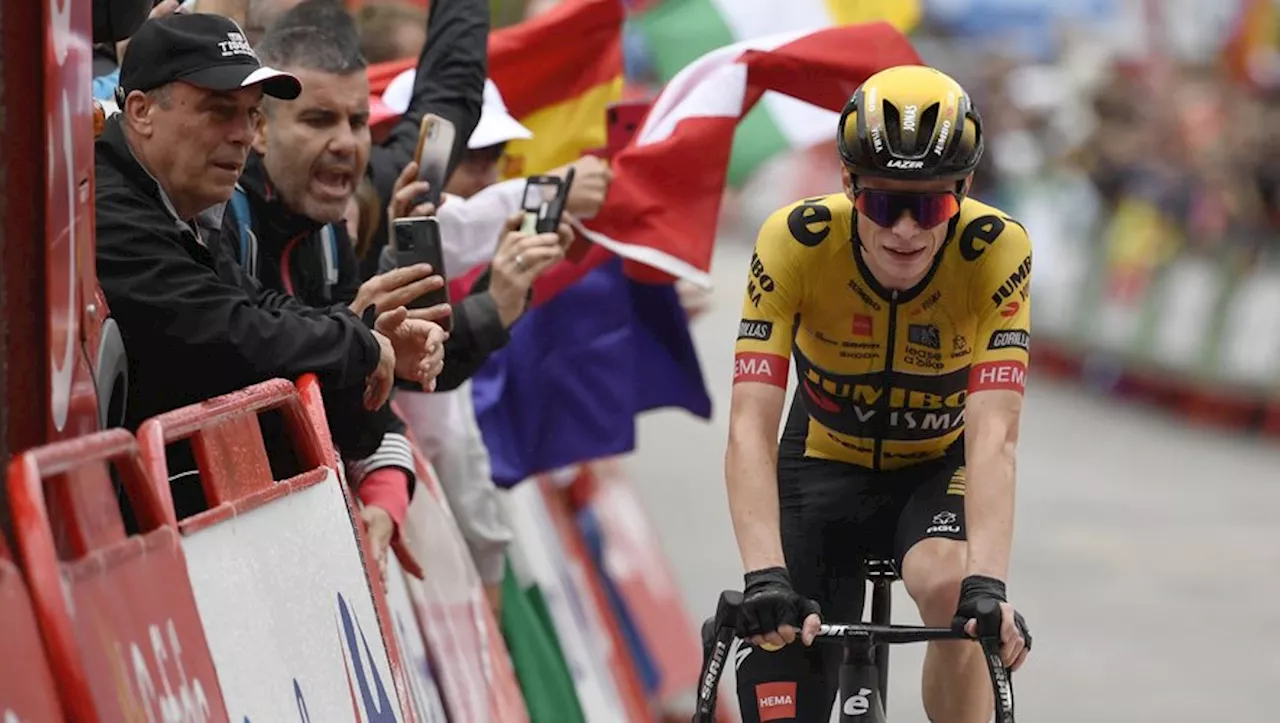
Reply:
x=975, y=588
x=769, y=602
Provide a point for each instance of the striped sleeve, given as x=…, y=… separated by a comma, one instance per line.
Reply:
x=394, y=451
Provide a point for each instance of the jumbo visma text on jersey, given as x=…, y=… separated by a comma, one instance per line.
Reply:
x=883, y=377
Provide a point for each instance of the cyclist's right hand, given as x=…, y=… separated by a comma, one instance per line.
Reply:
x=772, y=611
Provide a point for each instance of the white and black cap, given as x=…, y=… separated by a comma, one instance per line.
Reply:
x=205, y=50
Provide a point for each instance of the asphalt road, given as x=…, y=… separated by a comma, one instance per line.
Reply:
x=1146, y=553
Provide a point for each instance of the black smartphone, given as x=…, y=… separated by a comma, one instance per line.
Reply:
x=543, y=203
x=418, y=242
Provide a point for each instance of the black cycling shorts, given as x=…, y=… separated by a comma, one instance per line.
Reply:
x=834, y=516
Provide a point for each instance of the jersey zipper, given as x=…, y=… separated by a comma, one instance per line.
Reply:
x=886, y=393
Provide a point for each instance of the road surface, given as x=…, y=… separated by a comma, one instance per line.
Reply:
x=1146, y=553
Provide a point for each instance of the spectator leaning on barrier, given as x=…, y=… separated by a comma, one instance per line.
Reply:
x=445, y=425
x=303, y=178
x=284, y=226
x=194, y=326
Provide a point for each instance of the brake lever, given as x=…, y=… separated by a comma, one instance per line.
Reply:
x=718, y=634
x=989, y=619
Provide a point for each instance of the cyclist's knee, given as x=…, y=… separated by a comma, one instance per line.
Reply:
x=932, y=571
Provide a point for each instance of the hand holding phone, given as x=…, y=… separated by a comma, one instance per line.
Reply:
x=544, y=201
x=418, y=241
x=436, y=137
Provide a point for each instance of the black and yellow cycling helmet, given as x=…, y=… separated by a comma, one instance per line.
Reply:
x=910, y=123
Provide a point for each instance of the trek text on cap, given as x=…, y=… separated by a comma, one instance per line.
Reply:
x=205, y=50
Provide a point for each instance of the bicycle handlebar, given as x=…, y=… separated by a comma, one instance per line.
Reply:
x=891, y=634
x=719, y=632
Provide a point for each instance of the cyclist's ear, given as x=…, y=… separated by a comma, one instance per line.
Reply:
x=847, y=179
x=965, y=185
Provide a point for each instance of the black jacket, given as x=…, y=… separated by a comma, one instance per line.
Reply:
x=194, y=325
x=449, y=83
x=477, y=330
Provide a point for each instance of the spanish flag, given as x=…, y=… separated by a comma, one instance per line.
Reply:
x=558, y=72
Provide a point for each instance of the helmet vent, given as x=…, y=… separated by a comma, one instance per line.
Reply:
x=892, y=128
x=928, y=123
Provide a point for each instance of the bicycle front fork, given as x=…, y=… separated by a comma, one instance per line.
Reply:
x=864, y=674
x=860, y=698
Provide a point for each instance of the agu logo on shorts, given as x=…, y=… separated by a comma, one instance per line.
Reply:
x=776, y=701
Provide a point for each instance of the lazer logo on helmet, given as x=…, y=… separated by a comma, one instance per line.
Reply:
x=907, y=165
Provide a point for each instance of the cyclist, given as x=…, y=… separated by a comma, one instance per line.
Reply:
x=905, y=306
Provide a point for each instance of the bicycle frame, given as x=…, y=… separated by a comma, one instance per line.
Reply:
x=863, y=675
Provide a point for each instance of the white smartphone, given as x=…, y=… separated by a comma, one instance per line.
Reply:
x=435, y=149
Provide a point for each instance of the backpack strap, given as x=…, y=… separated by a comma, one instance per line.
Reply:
x=248, y=241
x=329, y=245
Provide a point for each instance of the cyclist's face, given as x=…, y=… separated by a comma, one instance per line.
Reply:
x=899, y=255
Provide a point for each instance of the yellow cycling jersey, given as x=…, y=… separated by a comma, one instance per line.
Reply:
x=884, y=375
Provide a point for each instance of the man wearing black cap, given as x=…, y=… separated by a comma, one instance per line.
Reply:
x=194, y=325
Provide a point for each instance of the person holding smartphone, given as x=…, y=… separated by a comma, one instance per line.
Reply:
x=478, y=204
x=194, y=324
x=444, y=424
x=284, y=225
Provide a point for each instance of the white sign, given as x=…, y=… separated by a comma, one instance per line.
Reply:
x=288, y=614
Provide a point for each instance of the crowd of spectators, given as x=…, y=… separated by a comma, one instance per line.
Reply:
x=244, y=211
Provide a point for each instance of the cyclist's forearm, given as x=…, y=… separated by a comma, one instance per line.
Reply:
x=990, y=452
x=750, y=465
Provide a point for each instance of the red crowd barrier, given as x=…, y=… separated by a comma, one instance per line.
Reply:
x=116, y=613
x=27, y=691
x=236, y=477
x=226, y=439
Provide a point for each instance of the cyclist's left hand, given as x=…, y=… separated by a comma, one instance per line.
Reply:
x=1015, y=636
